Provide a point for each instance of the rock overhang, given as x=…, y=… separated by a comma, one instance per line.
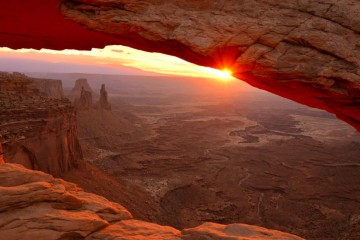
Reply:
x=306, y=51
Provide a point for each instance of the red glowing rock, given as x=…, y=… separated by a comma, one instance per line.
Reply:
x=306, y=51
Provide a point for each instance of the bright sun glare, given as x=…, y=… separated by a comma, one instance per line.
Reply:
x=119, y=56
x=225, y=74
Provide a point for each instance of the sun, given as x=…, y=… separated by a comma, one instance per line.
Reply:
x=225, y=74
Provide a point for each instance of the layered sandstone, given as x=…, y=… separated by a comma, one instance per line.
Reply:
x=49, y=87
x=38, y=132
x=34, y=205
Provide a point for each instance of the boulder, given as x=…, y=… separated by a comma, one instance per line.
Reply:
x=34, y=205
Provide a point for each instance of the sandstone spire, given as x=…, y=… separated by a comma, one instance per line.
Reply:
x=85, y=100
x=103, y=102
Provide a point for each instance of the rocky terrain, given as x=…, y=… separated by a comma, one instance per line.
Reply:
x=293, y=49
x=49, y=87
x=98, y=126
x=38, y=132
x=37, y=206
x=302, y=50
x=85, y=100
x=1, y=152
x=230, y=156
x=291, y=169
x=226, y=157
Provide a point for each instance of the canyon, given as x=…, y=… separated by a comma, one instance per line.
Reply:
x=185, y=156
x=37, y=131
x=229, y=154
x=178, y=157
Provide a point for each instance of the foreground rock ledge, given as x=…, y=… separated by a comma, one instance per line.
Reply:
x=34, y=205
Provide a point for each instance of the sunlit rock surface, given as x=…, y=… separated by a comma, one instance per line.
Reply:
x=303, y=50
x=233, y=232
x=34, y=205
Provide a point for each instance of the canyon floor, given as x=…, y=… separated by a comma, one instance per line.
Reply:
x=226, y=156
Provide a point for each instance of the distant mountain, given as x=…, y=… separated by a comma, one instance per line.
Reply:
x=30, y=65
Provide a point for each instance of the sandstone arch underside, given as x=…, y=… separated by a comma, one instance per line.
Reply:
x=304, y=50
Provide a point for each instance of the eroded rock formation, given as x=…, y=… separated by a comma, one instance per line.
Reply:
x=79, y=85
x=51, y=88
x=38, y=132
x=303, y=50
x=103, y=102
x=85, y=101
x=34, y=205
x=306, y=51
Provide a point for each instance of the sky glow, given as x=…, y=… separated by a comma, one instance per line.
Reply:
x=115, y=56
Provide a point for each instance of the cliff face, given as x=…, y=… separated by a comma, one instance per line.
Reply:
x=34, y=205
x=49, y=87
x=38, y=132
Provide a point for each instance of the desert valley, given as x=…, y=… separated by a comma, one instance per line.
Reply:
x=179, y=120
x=177, y=155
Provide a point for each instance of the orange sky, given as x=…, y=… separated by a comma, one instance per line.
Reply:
x=117, y=56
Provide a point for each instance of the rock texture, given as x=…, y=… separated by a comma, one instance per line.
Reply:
x=34, y=205
x=307, y=51
x=38, y=132
x=85, y=101
x=43, y=27
x=103, y=102
x=1, y=153
x=49, y=87
x=135, y=229
x=233, y=232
